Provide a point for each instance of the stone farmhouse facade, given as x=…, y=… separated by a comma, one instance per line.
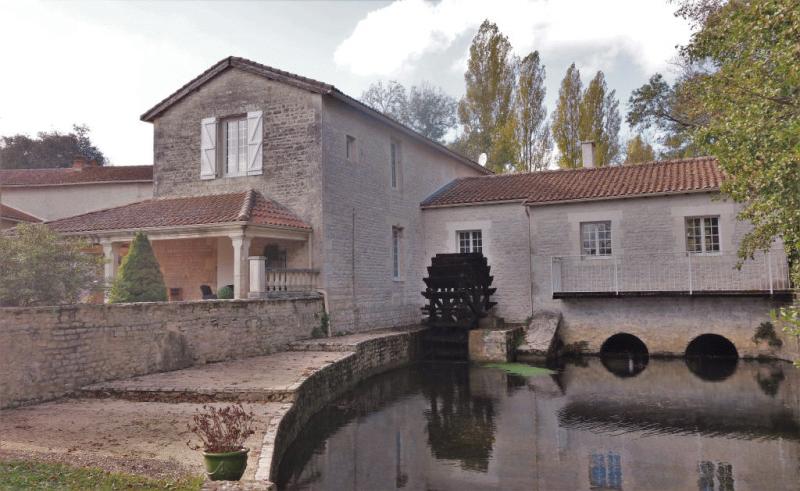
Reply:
x=268, y=179
x=49, y=194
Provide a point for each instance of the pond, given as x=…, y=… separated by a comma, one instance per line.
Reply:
x=593, y=424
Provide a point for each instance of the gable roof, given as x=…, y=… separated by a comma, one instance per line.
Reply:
x=701, y=174
x=248, y=207
x=300, y=82
x=15, y=215
x=64, y=176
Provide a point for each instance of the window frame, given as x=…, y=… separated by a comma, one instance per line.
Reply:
x=475, y=236
x=397, y=253
x=596, y=240
x=242, y=146
x=395, y=164
x=703, y=235
x=350, y=148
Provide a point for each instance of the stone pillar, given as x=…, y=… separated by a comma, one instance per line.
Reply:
x=111, y=256
x=258, y=276
x=241, y=276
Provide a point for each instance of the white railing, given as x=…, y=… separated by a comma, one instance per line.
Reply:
x=669, y=272
x=291, y=280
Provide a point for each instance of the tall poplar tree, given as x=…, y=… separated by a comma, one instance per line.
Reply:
x=599, y=120
x=486, y=110
x=638, y=151
x=566, y=120
x=532, y=130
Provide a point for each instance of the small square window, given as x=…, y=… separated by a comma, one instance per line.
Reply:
x=470, y=241
x=351, y=148
x=596, y=238
x=702, y=235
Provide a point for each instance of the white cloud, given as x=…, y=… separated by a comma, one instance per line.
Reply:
x=390, y=39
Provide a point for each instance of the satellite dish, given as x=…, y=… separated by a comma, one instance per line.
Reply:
x=482, y=158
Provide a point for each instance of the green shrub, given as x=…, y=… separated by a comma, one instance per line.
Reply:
x=225, y=293
x=139, y=278
x=766, y=332
x=40, y=267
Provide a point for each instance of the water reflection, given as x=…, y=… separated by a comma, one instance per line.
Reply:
x=452, y=426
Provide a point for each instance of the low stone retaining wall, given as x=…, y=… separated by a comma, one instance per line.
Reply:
x=369, y=357
x=49, y=352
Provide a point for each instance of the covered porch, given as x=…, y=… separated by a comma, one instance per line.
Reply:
x=205, y=243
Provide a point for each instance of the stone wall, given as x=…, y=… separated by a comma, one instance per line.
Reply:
x=48, y=352
x=504, y=229
x=360, y=209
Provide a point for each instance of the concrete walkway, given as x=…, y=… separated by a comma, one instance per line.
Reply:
x=114, y=424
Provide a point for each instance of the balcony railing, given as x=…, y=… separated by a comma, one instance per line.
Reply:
x=290, y=280
x=668, y=273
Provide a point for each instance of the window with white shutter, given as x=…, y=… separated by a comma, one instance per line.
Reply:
x=255, y=143
x=208, y=148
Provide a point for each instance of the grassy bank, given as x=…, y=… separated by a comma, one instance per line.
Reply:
x=16, y=475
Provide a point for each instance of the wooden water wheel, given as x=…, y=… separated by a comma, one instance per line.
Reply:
x=458, y=291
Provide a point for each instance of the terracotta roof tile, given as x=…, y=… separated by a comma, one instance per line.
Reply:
x=663, y=177
x=246, y=206
x=54, y=177
x=9, y=213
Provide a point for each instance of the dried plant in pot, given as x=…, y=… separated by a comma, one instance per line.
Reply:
x=223, y=432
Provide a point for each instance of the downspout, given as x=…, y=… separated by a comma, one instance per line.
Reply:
x=530, y=255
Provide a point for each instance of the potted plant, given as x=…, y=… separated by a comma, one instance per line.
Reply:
x=223, y=432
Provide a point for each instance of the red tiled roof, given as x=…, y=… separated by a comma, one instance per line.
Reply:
x=301, y=82
x=13, y=214
x=246, y=206
x=664, y=177
x=55, y=177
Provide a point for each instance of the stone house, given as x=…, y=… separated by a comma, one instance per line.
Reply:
x=49, y=194
x=324, y=193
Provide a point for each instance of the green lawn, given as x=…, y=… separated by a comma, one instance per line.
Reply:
x=16, y=475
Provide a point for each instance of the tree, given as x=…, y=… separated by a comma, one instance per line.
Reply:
x=750, y=88
x=566, y=119
x=486, y=110
x=599, y=120
x=426, y=109
x=533, y=132
x=39, y=267
x=139, y=278
x=638, y=150
x=48, y=150
x=670, y=110
x=389, y=99
x=431, y=111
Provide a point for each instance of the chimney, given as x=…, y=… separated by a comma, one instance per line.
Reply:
x=79, y=162
x=587, y=150
x=93, y=163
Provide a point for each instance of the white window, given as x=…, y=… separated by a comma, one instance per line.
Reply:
x=397, y=238
x=702, y=235
x=350, y=148
x=394, y=163
x=234, y=146
x=596, y=238
x=470, y=241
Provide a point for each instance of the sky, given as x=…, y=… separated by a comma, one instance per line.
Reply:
x=104, y=63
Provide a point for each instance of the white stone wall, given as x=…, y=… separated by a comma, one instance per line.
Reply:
x=53, y=202
x=360, y=209
x=644, y=226
x=504, y=228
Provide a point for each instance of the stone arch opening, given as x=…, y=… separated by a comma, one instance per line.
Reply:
x=624, y=355
x=711, y=357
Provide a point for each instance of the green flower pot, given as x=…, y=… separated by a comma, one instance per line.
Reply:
x=227, y=466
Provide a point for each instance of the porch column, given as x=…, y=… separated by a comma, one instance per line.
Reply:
x=111, y=255
x=241, y=270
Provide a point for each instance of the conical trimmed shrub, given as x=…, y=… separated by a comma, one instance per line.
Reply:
x=139, y=278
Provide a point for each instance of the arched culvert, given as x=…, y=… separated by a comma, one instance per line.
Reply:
x=711, y=357
x=624, y=355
